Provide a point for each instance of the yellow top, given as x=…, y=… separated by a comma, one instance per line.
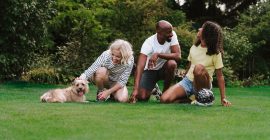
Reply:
x=197, y=55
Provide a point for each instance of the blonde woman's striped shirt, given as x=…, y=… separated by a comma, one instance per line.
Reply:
x=117, y=72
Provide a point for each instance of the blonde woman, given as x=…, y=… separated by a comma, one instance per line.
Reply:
x=111, y=70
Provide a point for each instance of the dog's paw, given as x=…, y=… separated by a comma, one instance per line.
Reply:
x=45, y=99
x=85, y=102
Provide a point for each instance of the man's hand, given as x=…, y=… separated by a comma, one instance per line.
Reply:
x=133, y=98
x=153, y=60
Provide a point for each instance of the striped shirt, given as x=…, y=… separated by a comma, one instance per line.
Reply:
x=117, y=72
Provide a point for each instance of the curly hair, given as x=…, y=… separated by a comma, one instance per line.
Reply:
x=213, y=37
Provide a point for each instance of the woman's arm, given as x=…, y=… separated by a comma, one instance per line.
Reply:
x=221, y=85
x=104, y=94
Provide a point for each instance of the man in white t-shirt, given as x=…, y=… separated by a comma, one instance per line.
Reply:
x=157, y=61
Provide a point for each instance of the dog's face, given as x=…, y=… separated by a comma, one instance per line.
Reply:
x=80, y=87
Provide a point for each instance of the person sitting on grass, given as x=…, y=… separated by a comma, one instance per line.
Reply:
x=157, y=61
x=111, y=70
x=205, y=58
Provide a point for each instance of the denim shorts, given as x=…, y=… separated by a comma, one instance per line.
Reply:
x=187, y=85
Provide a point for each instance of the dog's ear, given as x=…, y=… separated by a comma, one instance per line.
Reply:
x=73, y=81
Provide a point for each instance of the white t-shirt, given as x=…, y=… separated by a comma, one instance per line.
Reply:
x=151, y=45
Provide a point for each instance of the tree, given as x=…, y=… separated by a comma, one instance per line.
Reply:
x=23, y=34
x=94, y=24
x=255, y=25
x=224, y=12
x=237, y=49
x=79, y=38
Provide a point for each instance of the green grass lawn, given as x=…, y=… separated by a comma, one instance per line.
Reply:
x=22, y=116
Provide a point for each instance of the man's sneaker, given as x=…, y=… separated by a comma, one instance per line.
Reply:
x=156, y=92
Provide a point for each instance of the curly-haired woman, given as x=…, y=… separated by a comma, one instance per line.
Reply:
x=205, y=58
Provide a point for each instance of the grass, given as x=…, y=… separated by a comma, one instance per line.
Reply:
x=22, y=116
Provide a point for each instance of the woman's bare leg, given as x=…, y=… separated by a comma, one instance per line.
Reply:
x=121, y=95
x=101, y=78
x=175, y=94
x=201, y=78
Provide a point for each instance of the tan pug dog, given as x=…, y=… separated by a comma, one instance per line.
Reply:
x=74, y=93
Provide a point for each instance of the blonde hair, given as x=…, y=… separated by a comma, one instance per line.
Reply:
x=124, y=47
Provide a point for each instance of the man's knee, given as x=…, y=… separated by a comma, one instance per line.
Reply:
x=143, y=95
x=171, y=64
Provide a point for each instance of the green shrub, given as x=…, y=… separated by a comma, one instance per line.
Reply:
x=256, y=80
x=46, y=75
x=23, y=33
x=186, y=38
x=236, y=51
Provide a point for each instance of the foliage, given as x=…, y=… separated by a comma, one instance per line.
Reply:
x=186, y=36
x=231, y=80
x=236, y=51
x=225, y=12
x=23, y=34
x=41, y=76
x=79, y=38
x=81, y=30
x=137, y=19
x=67, y=36
x=43, y=72
x=47, y=75
x=256, y=80
x=70, y=35
x=254, y=24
